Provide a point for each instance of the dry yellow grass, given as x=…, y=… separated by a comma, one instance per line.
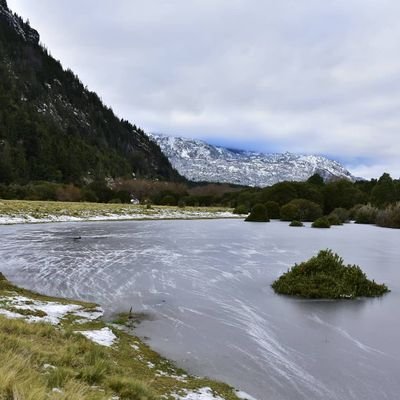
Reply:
x=47, y=209
x=41, y=362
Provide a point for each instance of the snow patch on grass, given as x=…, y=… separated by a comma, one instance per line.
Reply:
x=180, y=378
x=51, y=312
x=104, y=336
x=244, y=396
x=200, y=394
x=10, y=314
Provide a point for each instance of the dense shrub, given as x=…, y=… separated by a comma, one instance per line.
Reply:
x=334, y=219
x=68, y=193
x=353, y=211
x=342, y=214
x=390, y=217
x=181, y=204
x=301, y=210
x=115, y=201
x=385, y=192
x=322, y=222
x=168, y=200
x=124, y=196
x=326, y=276
x=102, y=192
x=42, y=191
x=89, y=195
x=281, y=192
x=241, y=209
x=258, y=214
x=316, y=179
x=289, y=212
x=342, y=194
x=272, y=209
x=366, y=215
x=296, y=223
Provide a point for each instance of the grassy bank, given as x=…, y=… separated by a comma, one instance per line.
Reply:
x=50, y=350
x=20, y=211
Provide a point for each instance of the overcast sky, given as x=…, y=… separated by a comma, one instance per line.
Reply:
x=305, y=76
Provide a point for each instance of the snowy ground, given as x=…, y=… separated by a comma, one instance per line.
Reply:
x=154, y=214
x=206, y=393
x=104, y=336
x=31, y=310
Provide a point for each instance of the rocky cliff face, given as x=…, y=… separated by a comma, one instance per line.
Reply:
x=199, y=161
x=22, y=28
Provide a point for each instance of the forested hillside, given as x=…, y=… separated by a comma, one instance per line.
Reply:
x=52, y=128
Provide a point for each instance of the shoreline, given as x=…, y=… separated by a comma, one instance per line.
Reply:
x=13, y=212
x=81, y=322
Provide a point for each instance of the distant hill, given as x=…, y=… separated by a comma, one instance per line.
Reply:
x=200, y=161
x=53, y=128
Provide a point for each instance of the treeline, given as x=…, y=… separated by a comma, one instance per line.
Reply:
x=368, y=202
x=314, y=196
x=371, y=202
x=124, y=191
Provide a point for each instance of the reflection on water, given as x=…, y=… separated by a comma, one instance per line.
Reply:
x=206, y=285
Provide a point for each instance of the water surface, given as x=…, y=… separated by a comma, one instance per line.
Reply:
x=206, y=285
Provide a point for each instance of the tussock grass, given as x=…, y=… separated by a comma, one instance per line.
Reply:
x=25, y=351
x=41, y=362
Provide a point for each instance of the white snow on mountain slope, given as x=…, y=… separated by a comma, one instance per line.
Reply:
x=199, y=161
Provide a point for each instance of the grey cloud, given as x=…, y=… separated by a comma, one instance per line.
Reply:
x=306, y=76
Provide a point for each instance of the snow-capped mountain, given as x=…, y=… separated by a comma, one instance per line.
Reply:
x=200, y=161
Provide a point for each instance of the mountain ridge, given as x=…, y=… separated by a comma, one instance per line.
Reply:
x=52, y=128
x=198, y=160
x=22, y=28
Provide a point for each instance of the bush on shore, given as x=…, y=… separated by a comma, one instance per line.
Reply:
x=366, y=215
x=334, y=219
x=241, y=209
x=322, y=222
x=300, y=210
x=296, y=223
x=272, y=209
x=390, y=217
x=342, y=214
x=258, y=214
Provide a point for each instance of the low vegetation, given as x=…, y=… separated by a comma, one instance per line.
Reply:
x=389, y=217
x=326, y=276
x=334, y=219
x=301, y=210
x=366, y=214
x=41, y=361
x=322, y=222
x=241, y=210
x=258, y=214
x=296, y=223
x=342, y=214
x=273, y=209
